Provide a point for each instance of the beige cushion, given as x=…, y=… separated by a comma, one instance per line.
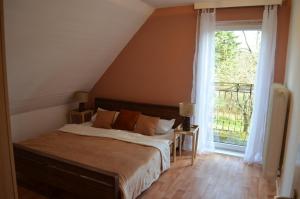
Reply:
x=146, y=125
x=104, y=119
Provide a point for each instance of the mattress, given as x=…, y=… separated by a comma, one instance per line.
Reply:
x=138, y=166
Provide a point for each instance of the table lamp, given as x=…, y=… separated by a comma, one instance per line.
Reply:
x=82, y=97
x=186, y=110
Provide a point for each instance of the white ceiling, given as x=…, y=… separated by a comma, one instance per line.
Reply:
x=169, y=3
x=54, y=48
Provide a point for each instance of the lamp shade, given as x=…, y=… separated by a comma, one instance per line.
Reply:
x=186, y=109
x=81, y=96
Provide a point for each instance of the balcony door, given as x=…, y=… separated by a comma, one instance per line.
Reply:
x=237, y=47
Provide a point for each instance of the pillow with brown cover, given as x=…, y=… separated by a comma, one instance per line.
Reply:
x=146, y=125
x=126, y=120
x=104, y=119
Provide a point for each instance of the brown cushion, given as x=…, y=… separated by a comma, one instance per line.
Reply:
x=126, y=120
x=104, y=119
x=146, y=125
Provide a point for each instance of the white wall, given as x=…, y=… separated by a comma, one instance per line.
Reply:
x=30, y=124
x=293, y=83
x=56, y=47
x=297, y=173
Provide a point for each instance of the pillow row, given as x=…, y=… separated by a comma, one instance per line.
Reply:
x=131, y=121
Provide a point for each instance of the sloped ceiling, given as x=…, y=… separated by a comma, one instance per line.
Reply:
x=56, y=47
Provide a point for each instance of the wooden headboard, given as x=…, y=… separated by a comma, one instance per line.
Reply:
x=162, y=111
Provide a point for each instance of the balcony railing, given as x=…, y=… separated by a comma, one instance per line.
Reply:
x=233, y=109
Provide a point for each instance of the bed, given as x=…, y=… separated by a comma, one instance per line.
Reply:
x=69, y=165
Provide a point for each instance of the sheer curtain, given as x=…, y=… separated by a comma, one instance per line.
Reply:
x=203, y=80
x=263, y=82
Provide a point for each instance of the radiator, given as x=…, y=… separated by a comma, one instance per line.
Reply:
x=273, y=142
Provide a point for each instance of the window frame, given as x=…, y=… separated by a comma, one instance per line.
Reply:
x=235, y=25
x=238, y=25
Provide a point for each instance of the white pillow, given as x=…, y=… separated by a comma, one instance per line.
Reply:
x=164, y=126
x=93, y=119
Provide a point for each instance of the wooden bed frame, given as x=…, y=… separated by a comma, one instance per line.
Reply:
x=57, y=178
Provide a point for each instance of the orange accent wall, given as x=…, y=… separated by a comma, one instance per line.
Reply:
x=157, y=64
x=284, y=13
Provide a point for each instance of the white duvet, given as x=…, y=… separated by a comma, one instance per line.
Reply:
x=161, y=144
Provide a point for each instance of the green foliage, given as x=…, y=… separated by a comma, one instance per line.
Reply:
x=226, y=49
x=233, y=62
x=233, y=108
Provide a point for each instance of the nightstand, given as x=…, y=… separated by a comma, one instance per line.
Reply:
x=77, y=117
x=174, y=144
x=194, y=133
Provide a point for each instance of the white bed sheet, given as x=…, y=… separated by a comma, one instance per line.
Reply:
x=167, y=136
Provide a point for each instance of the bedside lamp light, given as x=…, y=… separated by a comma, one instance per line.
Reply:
x=186, y=110
x=82, y=97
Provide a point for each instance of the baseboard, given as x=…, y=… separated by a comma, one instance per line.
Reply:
x=277, y=186
x=277, y=182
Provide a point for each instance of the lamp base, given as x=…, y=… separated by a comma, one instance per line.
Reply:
x=81, y=107
x=186, y=125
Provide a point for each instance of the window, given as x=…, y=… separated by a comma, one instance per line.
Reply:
x=237, y=45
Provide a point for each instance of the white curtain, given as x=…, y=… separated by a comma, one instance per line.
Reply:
x=263, y=82
x=203, y=80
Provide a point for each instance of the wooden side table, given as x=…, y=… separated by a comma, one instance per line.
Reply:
x=80, y=117
x=194, y=133
x=174, y=144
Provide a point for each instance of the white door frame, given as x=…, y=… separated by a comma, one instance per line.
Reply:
x=8, y=188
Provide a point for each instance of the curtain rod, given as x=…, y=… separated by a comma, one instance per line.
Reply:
x=234, y=3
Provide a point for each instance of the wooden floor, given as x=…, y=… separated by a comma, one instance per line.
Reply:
x=212, y=177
